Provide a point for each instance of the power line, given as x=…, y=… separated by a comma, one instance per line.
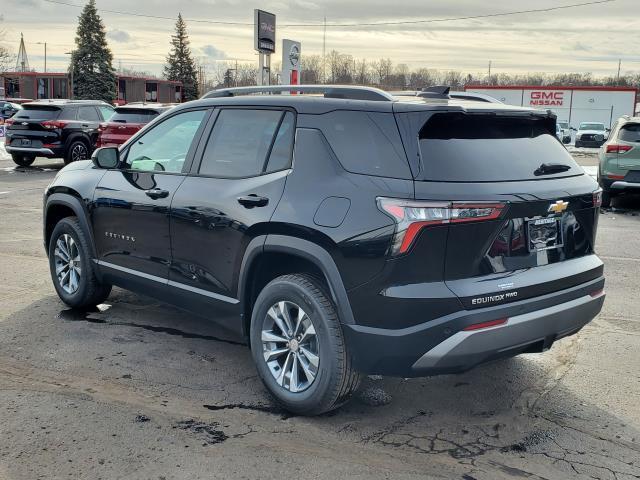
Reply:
x=355, y=24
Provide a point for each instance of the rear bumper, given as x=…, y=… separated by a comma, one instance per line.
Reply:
x=38, y=152
x=442, y=345
x=622, y=185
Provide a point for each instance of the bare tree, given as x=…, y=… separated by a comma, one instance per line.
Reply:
x=383, y=69
x=311, y=69
x=6, y=58
x=362, y=72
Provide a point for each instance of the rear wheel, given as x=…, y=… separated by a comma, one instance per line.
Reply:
x=298, y=346
x=22, y=160
x=72, y=271
x=78, y=150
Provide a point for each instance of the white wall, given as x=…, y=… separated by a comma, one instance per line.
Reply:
x=574, y=106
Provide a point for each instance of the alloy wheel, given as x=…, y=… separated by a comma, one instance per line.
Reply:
x=67, y=263
x=79, y=152
x=290, y=346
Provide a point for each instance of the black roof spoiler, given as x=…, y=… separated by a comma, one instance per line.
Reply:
x=437, y=91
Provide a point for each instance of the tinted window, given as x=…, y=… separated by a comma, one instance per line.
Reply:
x=131, y=115
x=69, y=113
x=630, y=133
x=89, y=114
x=366, y=142
x=165, y=147
x=478, y=148
x=239, y=143
x=106, y=112
x=37, y=112
x=592, y=126
x=280, y=157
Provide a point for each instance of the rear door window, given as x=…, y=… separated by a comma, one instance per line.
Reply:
x=630, y=133
x=239, y=143
x=366, y=142
x=457, y=147
x=88, y=114
x=38, y=112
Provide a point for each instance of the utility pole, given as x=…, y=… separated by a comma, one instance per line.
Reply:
x=45, y=54
x=71, y=71
x=619, y=66
x=489, y=78
x=324, y=50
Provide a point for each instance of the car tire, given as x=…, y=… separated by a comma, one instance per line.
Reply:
x=577, y=144
x=69, y=252
x=78, y=150
x=22, y=160
x=332, y=378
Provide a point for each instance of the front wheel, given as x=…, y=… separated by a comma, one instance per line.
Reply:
x=298, y=346
x=72, y=271
x=22, y=160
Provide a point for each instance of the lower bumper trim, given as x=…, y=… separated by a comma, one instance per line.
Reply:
x=465, y=349
x=30, y=150
x=621, y=185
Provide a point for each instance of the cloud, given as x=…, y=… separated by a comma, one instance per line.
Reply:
x=581, y=47
x=119, y=36
x=213, y=52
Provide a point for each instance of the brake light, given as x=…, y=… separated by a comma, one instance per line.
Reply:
x=412, y=216
x=489, y=324
x=53, y=124
x=597, y=293
x=597, y=198
x=618, y=148
x=614, y=176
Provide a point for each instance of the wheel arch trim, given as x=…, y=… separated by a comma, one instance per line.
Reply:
x=78, y=209
x=304, y=249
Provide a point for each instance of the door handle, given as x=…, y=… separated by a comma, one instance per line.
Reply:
x=253, y=200
x=84, y=125
x=156, y=193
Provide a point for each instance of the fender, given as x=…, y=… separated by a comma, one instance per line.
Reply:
x=309, y=251
x=74, y=204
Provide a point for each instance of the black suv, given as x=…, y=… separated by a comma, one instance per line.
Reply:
x=339, y=234
x=65, y=129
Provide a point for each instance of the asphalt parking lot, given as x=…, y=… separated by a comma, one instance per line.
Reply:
x=141, y=390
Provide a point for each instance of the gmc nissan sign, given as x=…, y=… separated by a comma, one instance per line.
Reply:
x=264, y=31
x=544, y=98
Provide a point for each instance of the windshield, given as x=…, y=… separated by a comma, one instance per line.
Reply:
x=477, y=148
x=592, y=126
x=564, y=124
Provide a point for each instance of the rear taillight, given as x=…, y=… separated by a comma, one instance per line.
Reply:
x=102, y=127
x=597, y=198
x=614, y=176
x=53, y=124
x=618, y=148
x=8, y=122
x=412, y=216
x=489, y=324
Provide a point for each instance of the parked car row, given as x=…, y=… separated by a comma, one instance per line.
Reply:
x=72, y=129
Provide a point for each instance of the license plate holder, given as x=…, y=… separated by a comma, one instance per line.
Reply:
x=25, y=142
x=544, y=233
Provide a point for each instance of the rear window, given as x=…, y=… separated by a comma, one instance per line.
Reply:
x=480, y=148
x=37, y=112
x=366, y=142
x=630, y=133
x=130, y=115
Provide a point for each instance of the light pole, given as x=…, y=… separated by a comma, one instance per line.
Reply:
x=45, y=54
x=71, y=71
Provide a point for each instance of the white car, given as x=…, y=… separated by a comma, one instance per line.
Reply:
x=566, y=131
x=591, y=134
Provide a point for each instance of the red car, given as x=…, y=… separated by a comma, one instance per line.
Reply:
x=126, y=121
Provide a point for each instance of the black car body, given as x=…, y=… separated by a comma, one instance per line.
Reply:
x=444, y=233
x=64, y=129
x=8, y=109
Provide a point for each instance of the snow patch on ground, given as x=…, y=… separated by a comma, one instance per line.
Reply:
x=3, y=153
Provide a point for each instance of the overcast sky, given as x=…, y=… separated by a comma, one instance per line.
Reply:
x=584, y=39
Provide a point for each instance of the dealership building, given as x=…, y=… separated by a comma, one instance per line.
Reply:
x=571, y=104
x=40, y=85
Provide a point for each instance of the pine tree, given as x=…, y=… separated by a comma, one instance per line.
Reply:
x=180, y=66
x=91, y=61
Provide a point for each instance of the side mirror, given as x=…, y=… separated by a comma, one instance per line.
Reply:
x=106, y=157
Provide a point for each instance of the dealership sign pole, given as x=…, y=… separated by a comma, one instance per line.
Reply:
x=291, y=51
x=264, y=43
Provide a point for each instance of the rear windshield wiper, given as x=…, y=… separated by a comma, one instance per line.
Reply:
x=549, y=168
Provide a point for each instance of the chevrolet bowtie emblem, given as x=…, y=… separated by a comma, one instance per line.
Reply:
x=558, y=207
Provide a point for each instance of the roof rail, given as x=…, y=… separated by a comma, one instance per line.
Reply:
x=437, y=91
x=330, y=91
